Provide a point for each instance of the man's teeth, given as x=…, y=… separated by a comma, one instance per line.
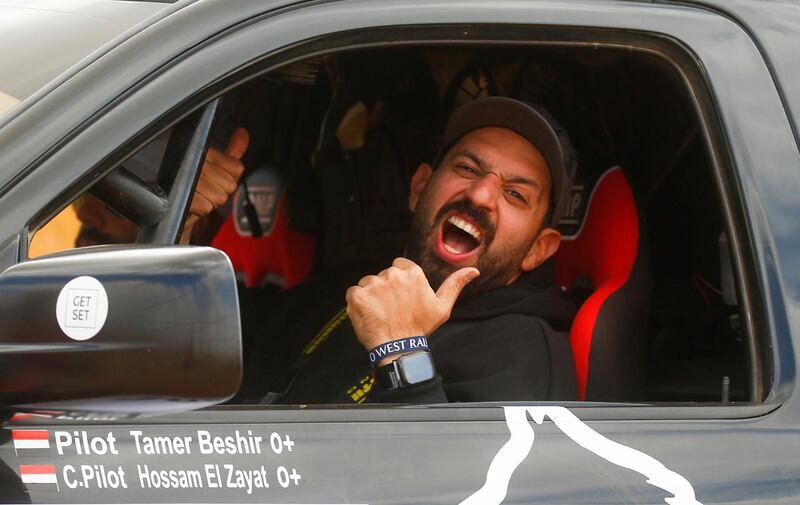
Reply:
x=465, y=226
x=450, y=249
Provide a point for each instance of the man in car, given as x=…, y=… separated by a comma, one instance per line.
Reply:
x=471, y=311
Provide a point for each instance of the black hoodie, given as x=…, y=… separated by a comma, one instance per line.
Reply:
x=503, y=345
x=510, y=343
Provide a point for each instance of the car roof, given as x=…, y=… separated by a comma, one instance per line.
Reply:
x=43, y=38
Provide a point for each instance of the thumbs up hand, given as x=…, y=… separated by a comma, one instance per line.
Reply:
x=219, y=179
x=220, y=175
x=399, y=303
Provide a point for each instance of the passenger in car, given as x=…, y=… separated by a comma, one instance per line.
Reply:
x=470, y=313
x=218, y=180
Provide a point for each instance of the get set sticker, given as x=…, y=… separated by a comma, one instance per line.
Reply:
x=82, y=307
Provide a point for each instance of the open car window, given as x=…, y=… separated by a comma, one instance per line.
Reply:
x=144, y=199
x=335, y=204
x=334, y=142
x=89, y=221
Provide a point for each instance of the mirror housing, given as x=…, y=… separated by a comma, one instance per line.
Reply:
x=125, y=329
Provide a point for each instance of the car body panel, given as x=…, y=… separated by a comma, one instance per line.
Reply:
x=743, y=454
x=774, y=27
x=395, y=462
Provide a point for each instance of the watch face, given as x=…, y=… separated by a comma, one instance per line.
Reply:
x=417, y=368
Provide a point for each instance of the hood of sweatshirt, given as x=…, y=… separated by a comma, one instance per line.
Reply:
x=534, y=293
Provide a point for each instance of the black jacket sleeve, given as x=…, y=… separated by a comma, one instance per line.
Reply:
x=428, y=393
x=507, y=358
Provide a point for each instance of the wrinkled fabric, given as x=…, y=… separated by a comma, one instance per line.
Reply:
x=507, y=344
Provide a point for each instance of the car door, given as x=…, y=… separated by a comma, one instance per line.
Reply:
x=525, y=452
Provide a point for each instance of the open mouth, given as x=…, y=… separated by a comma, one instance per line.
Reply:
x=459, y=237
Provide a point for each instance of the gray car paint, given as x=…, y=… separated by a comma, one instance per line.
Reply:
x=743, y=454
x=40, y=39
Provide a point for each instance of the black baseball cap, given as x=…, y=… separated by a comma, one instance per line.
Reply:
x=531, y=121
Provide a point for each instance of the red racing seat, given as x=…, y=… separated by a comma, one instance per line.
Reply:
x=608, y=333
x=282, y=256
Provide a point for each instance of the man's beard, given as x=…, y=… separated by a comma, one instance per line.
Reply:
x=497, y=266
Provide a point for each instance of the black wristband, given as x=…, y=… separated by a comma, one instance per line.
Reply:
x=408, y=344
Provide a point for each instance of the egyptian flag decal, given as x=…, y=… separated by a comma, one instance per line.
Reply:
x=26, y=442
x=39, y=477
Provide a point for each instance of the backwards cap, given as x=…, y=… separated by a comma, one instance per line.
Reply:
x=532, y=122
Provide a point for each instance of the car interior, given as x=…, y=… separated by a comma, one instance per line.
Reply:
x=645, y=255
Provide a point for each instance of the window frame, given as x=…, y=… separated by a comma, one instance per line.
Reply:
x=676, y=52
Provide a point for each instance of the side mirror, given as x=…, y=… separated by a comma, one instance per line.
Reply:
x=125, y=329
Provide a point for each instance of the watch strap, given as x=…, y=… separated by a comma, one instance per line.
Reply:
x=388, y=375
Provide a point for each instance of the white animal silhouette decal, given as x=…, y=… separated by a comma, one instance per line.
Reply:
x=519, y=446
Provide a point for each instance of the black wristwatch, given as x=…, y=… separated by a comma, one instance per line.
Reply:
x=405, y=371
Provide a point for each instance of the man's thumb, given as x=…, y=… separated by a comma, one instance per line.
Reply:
x=452, y=286
x=237, y=145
